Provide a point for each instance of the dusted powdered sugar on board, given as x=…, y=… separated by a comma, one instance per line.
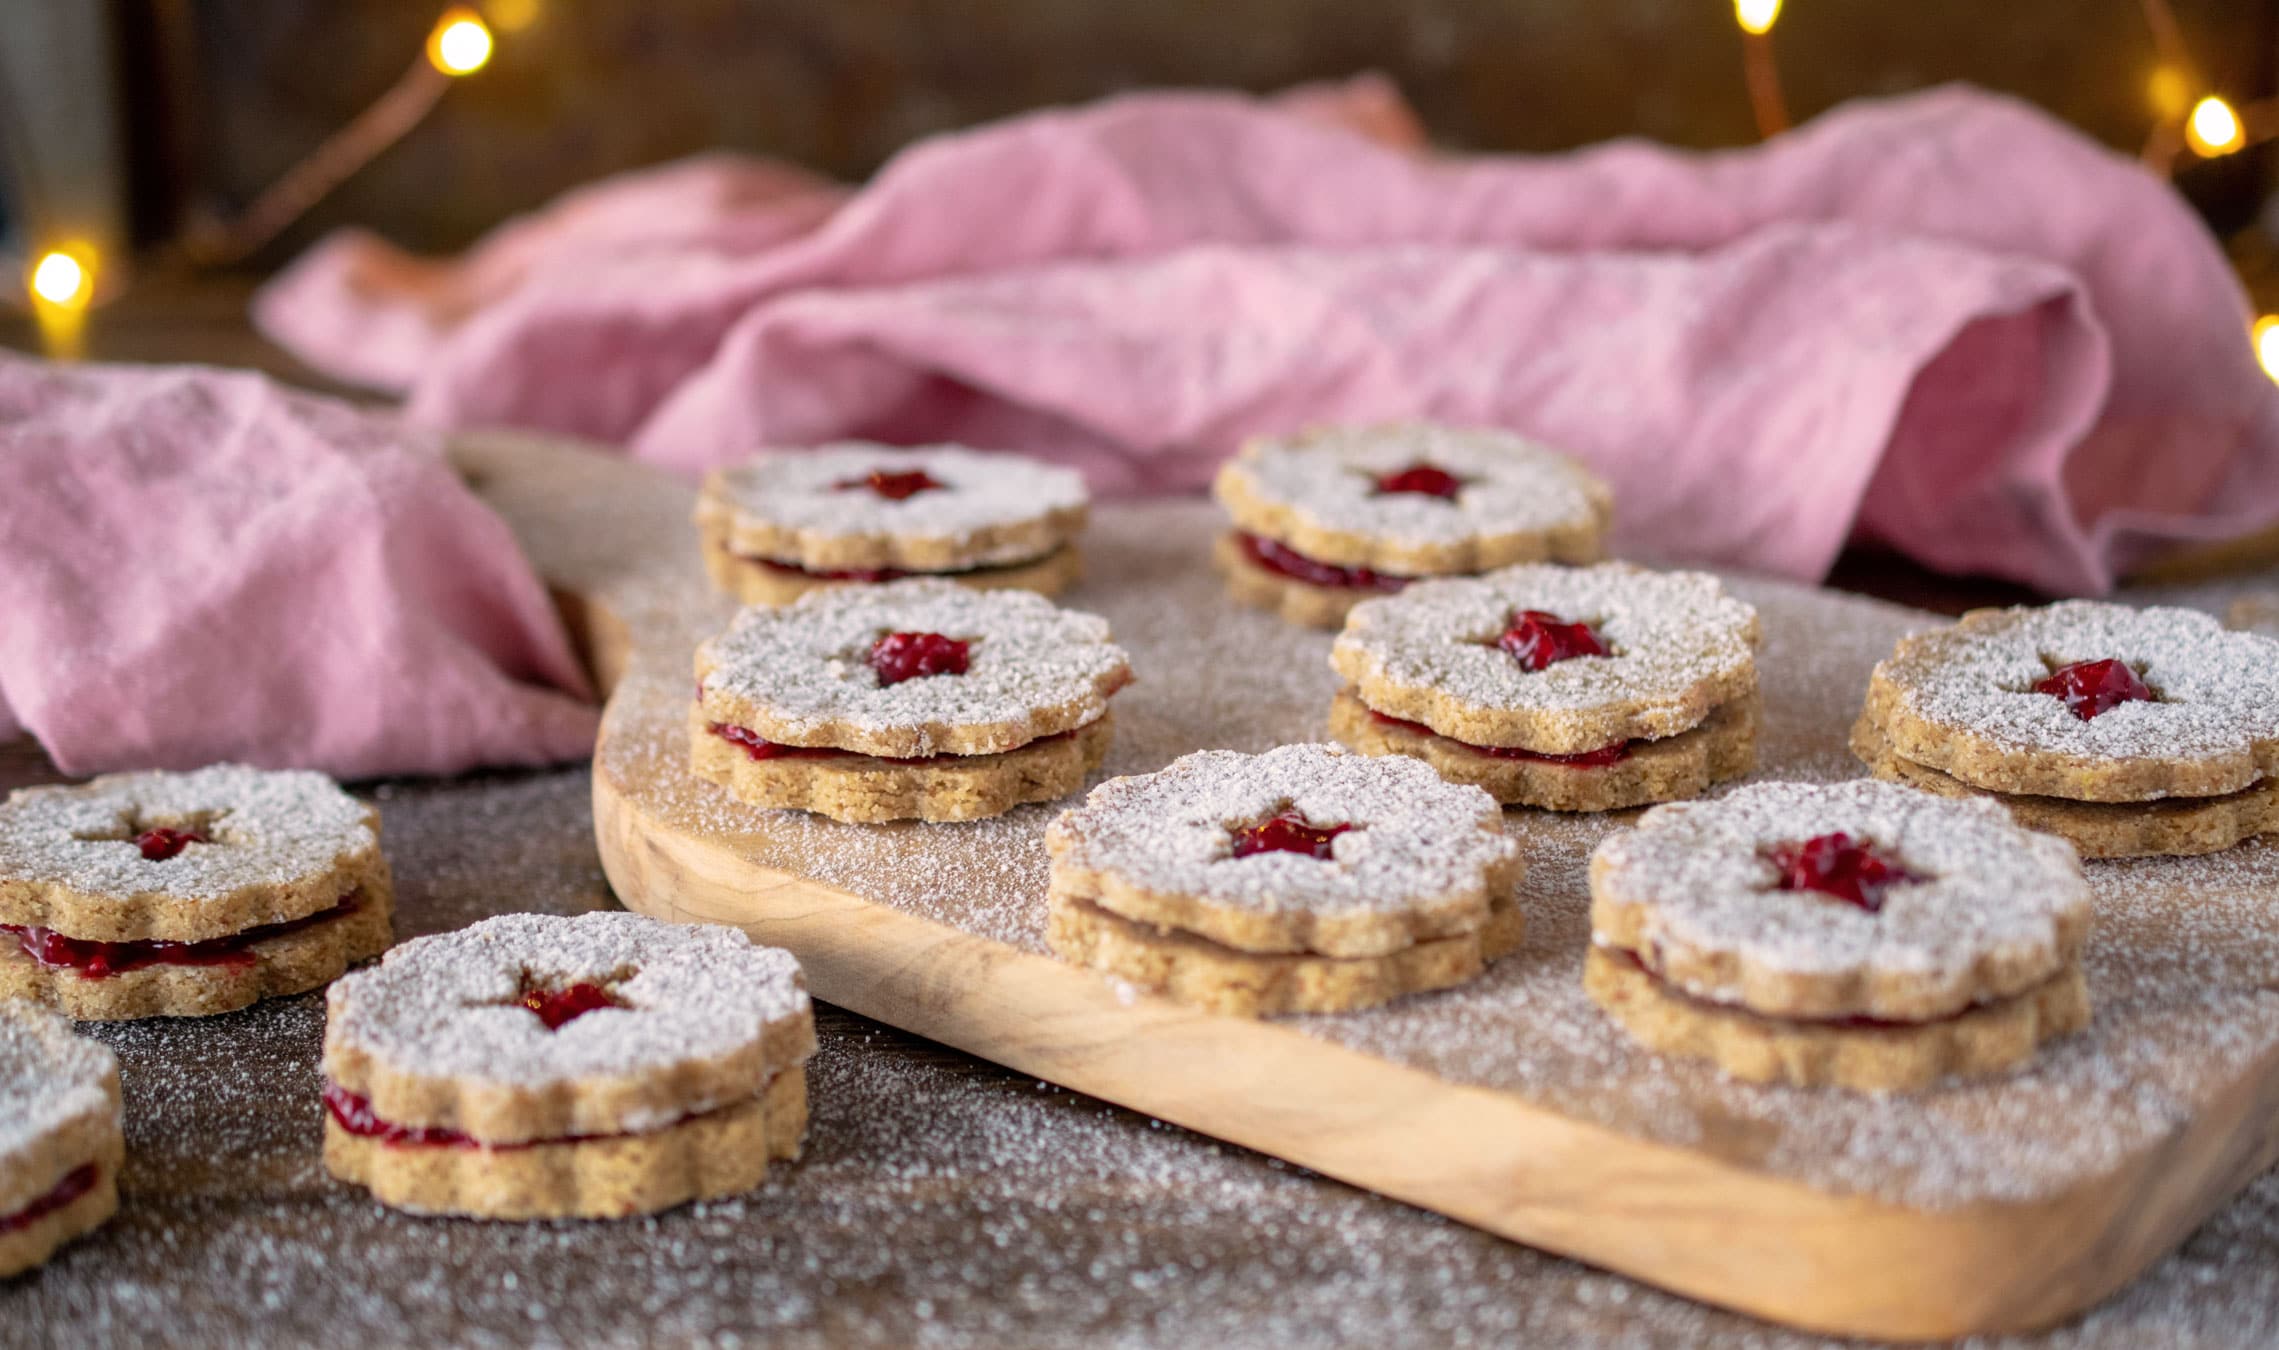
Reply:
x=2178, y=964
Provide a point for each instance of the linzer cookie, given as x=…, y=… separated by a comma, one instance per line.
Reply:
x=539, y=1067
x=60, y=1146
x=779, y=526
x=919, y=699
x=1306, y=879
x=1859, y=935
x=1570, y=689
x=186, y=894
x=2127, y=731
x=1327, y=519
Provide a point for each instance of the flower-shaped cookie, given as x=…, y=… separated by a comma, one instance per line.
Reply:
x=60, y=1146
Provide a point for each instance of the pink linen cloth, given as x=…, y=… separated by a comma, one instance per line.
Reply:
x=1944, y=322
x=200, y=565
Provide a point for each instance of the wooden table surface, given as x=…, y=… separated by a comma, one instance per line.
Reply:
x=944, y=1200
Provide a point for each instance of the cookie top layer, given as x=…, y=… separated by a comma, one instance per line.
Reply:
x=1679, y=646
x=438, y=1034
x=802, y=674
x=270, y=846
x=1962, y=700
x=1420, y=857
x=1986, y=909
x=932, y=508
x=58, y=1092
x=1332, y=495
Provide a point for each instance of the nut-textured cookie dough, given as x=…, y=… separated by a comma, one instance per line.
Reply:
x=60, y=1145
x=1987, y=911
x=2173, y=827
x=1685, y=765
x=866, y=789
x=1252, y=984
x=1985, y=1039
x=757, y=582
x=1679, y=646
x=818, y=509
x=1961, y=700
x=1420, y=858
x=299, y=956
x=274, y=847
x=1321, y=493
x=798, y=675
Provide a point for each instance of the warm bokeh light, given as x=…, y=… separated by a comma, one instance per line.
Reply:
x=1756, y=16
x=62, y=280
x=2169, y=91
x=2267, y=344
x=2213, y=128
x=460, y=44
x=511, y=16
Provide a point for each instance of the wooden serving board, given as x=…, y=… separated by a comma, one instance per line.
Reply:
x=1511, y=1104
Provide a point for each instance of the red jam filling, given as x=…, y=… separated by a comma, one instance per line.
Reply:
x=1282, y=560
x=2093, y=687
x=353, y=1112
x=100, y=960
x=759, y=747
x=1838, y=865
x=1538, y=639
x=1423, y=479
x=1584, y=759
x=1289, y=832
x=911, y=656
x=823, y=574
x=558, y=1008
x=893, y=486
x=77, y=1182
x=160, y=844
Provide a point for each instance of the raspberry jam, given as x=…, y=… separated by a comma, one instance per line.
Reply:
x=1282, y=560
x=1538, y=639
x=1289, y=832
x=759, y=747
x=1425, y=480
x=910, y=656
x=558, y=1008
x=1583, y=759
x=1838, y=865
x=76, y=1182
x=2093, y=687
x=101, y=960
x=160, y=844
x=823, y=574
x=893, y=486
x=352, y=1112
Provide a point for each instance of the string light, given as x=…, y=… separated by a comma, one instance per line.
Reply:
x=2267, y=344
x=62, y=280
x=460, y=43
x=2213, y=129
x=2169, y=90
x=1756, y=16
x=61, y=284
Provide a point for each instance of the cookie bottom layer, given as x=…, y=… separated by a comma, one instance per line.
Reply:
x=756, y=583
x=1295, y=601
x=2169, y=827
x=707, y=1157
x=291, y=963
x=38, y=1240
x=866, y=790
x=1884, y=1057
x=1252, y=984
x=1676, y=767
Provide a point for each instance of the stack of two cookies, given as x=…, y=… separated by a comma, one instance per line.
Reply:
x=1567, y=689
x=2128, y=732
x=1305, y=879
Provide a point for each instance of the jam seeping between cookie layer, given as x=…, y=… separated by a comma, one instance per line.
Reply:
x=759, y=747
x=1286, y=832
x=76, y=1182
x=1282, y=560
x=2090, y=688
x=95, y=960
x=352, y=1112
x=1840, y=866
x=1583, y=759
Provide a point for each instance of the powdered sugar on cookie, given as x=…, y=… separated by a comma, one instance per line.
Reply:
x=936, y=496
x=1330, y=480
x=49, y=1077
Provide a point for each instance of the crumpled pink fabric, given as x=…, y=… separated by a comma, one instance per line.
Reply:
x=200, y=565
x=1945, y=322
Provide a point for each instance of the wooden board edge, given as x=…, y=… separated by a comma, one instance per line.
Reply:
x=1672, y=1217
